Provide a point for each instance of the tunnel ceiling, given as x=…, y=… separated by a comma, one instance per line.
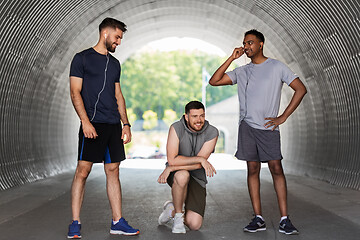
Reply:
x=318, y=39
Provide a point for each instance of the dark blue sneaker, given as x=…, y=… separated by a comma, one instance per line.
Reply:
x=74, y=230
x=287, y=227
x=256, y=224
x=122, y=227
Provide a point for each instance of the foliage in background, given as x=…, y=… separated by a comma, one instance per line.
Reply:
x=150, y=119
x=169, y=117
x=131, y=115
x=168, y=80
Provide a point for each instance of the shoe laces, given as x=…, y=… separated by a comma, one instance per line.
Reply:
x=125, y=223
x=288, y=222
x=74, y=226
x=253, y=221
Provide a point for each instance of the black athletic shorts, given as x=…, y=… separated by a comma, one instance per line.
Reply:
x=108, y=147
x=195, y=197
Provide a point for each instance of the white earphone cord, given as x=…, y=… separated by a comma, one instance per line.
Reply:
x=98, y=98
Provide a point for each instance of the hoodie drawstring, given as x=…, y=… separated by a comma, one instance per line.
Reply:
x=193, y=144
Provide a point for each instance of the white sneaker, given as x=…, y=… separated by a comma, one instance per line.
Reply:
x=178, y=226
x=165, y=216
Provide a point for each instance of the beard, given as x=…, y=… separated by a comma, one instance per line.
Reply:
x=109, y=46
x=194, y=127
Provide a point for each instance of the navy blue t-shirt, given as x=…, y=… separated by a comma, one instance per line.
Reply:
x=90, y=66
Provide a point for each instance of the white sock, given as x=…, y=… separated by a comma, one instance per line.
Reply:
x=115, y=222
x=282, y=218
x=178, y=215
x=259, y=216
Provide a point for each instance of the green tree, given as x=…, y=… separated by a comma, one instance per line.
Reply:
x=169, y=116
x=168, y=80
x=147, y=83
x=150, y=120
x=131, y=115
x=211, y=64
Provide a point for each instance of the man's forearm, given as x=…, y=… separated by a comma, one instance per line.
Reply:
x=185, y=167
x=219, y=73
x=180, y=160
x=122, y=110
x=294, y=103
x=78, y=104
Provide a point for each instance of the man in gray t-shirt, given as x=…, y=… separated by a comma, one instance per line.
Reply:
x=259, y=89
x=190, y=143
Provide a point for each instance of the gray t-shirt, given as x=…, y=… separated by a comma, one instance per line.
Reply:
x=190, y=144
x=259, y=90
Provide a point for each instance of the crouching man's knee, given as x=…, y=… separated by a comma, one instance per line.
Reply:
x=193, y=220
x=181, y=178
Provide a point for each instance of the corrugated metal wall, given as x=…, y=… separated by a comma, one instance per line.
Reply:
x=318, y=39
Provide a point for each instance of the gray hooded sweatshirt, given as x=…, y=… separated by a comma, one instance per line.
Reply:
x=191, y=142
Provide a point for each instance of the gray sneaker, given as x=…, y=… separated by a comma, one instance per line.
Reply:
x=178, y=226
x=287, y=228
x=257, y=224
x=165, y=216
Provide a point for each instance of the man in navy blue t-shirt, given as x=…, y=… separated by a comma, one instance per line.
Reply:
x=100, y=105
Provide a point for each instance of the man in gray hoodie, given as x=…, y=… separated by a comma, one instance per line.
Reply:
x=190, y=143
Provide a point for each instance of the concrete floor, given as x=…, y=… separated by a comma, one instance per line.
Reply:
x=42, y=209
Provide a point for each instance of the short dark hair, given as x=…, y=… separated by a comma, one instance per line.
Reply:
x=193, y=105
x=113, y=23
x=258, y=34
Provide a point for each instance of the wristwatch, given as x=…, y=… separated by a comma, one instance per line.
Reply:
x=127, y=124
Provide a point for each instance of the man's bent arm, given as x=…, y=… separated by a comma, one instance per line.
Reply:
x=172, y=150
x=219, y=78
x=165, y=174
x=185, y=167
x=300, y=91
x=174, y=159
x=78, y=103
x=204, y=153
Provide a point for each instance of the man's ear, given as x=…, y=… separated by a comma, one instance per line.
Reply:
x=186, y=117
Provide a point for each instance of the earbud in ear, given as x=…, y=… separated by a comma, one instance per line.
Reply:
x=105, y=35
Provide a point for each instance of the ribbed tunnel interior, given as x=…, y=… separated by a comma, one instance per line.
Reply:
x=318, y=39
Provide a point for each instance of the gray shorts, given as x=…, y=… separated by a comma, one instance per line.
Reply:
x=258, y=145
